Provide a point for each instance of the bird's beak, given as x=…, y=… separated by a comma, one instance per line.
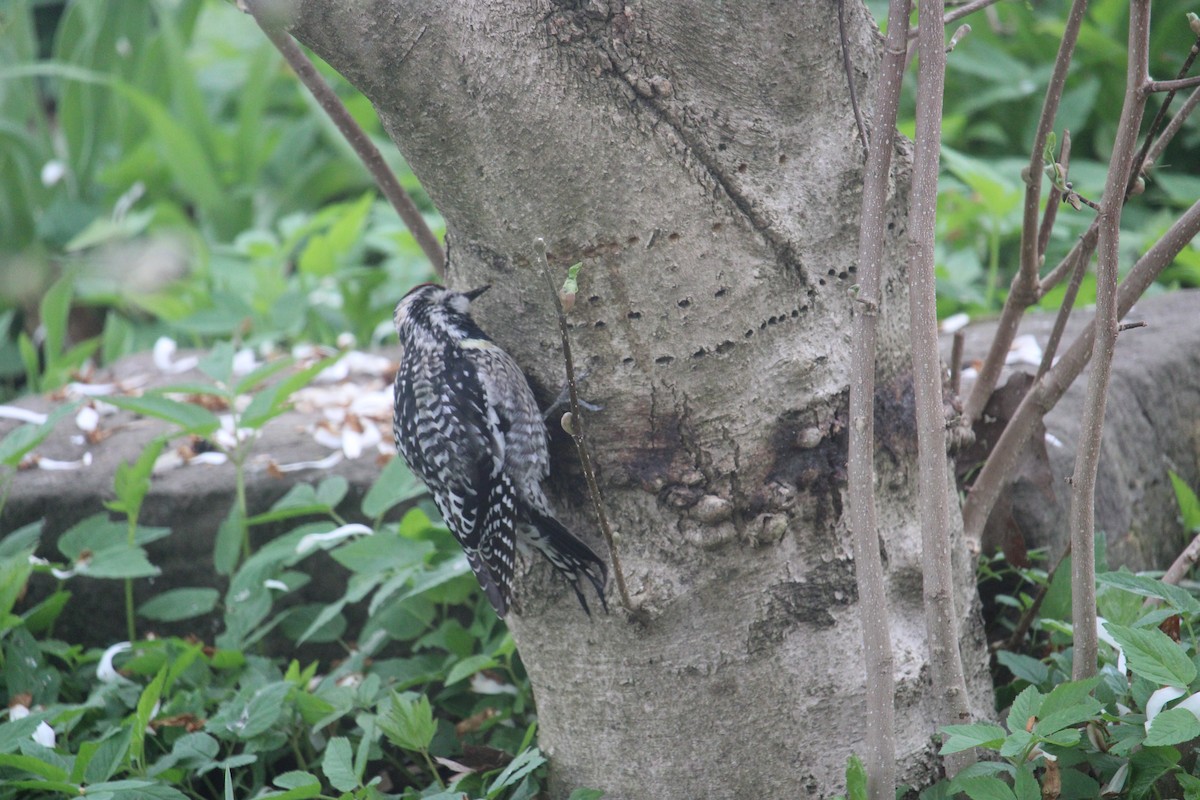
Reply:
x=474, y=293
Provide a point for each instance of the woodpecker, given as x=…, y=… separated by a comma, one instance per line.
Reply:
x=467, y=424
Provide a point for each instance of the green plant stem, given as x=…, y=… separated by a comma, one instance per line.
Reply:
x=433, y=768
x=130, y=620
x=240, y=469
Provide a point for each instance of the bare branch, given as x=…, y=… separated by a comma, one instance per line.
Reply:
x=879, y=754
x=1024, y=289
x=933, y=500
x=1082, y=257
x=1048, y=390
x=956, y=356
x=358, y=139
x=849, y=70
x=956, y=14
x=1054, y=199
x=576, y=429
x=1087, y=456
x=1151, y=87
x=1139, y=162
x=1173, y=127
x=1184, y=562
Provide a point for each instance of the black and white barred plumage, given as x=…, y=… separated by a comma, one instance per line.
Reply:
x=467, y=424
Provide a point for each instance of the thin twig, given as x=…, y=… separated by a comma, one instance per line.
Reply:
x=1024, y=291
x=933, y=475
x=879, y=750
x=1018, y=635
x=1150, y=87
x=1048, y=390
x=956, y=14
x=358, y=139
x=1063, y=269
x=1087, y=456
x=576, y=428
x=1139, y=161
x=1082, y=257
x=1173, y=127
x=1129, y=326
x=1184, y=562
x=848, y=68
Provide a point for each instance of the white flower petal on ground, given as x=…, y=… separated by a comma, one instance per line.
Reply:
x=105, y=671
x=1024, y=350
x=164, y=357
x=326, y=540
x=44, y=735
x=955, y=322
x=244, y=362
x=1158, y=700
x=54, y=465
x=22, y=415
x=332, y=460
x=87, y=420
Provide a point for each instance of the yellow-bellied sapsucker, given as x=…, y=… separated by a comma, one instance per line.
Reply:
x=467, y=425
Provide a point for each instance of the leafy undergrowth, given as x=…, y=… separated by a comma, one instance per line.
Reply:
x=427, y=699
x=1128, y=732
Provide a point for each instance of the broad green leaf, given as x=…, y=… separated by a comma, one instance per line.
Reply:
x=1141, y=585
x=189, y=417
x=178, y=604
x=1016, y=744
x=408, y=722
x=395, y=485
x=1173, y=726
x=132, y=480
x=469, y=666
x=230, y=538
x=1027, y=704
x=964, y=737
x=1154, y=655
x=337, y=765
x=1025, y=786
x=264, y=709
x=1024, y=667
x=986, y=787
x=1068, y=704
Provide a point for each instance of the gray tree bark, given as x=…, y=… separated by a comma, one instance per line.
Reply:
x=701, y=159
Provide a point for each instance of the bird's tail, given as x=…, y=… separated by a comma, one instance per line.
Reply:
x=570, y=556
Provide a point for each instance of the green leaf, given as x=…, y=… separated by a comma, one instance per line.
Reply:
x=273, y=400
x=228, y=545
x=1069, y=704
x=469, y=666
x=35, y=766
x=1144, y=586
x=1016, y=744
x=178, y=604
x=189, y=417
x=337, y=765
x=985, y=787
x=395, y=485
x=1149, y=764
x=526, y=762
x=1025, y=786
x=1173, y=726
x=1154, y=656
x=408, y=722
x=1189, y=504
x=596, y=794
x=856, y=779
x=141, y=718
x=964, y=737
x=55, y=307
x=1024, y=667
x=20, y=441
x=265, y=708
x=132, y=481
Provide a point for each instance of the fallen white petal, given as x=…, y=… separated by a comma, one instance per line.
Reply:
x=352, y=443
x=164, y=357
x=1106, y=637
x=346, y=340
x=88, y=419
x=1053, y=440
x=167, y=461
x=1024, y=350
x=92, y=389
x=324, y=540
x=273, y=583
x=105, y=671
x=211, y=458
x=54, y=465
x=374, y=404
x=955, y=322
x=19, y=711
x=482, y=684
x=44, y=735
x=1159, y=699
x=53, y=172
x=327, y=438
x=338, y=371
x=244, y=362
x=332, y=460
x=368, y=363
x=23, y=415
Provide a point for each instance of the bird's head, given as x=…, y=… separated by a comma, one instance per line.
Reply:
x=438, y=311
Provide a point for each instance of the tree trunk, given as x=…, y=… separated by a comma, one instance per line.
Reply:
x=701, y=160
